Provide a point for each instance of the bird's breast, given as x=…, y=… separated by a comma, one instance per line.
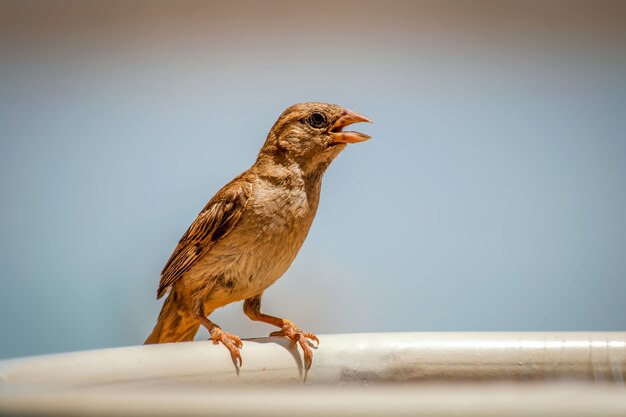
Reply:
x=263, y=243
x=279, y=220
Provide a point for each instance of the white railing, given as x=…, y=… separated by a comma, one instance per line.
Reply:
x=406, y=374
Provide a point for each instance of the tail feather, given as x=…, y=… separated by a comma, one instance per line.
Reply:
x=175, y=324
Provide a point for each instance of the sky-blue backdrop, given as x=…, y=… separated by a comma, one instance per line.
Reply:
x=492, y=196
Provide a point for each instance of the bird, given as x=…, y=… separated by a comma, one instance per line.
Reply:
x=246, y=237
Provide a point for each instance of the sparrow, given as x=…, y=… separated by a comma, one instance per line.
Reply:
x=249, y=233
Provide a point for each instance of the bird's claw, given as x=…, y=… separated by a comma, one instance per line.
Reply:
x=230, y=341
x=296, y=335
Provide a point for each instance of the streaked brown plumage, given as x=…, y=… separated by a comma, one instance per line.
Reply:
x=248, y=234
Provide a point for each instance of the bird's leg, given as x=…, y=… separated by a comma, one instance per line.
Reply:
x=252, y=309
x=232, y=342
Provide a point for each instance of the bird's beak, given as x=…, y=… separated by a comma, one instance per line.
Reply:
x=347, y=118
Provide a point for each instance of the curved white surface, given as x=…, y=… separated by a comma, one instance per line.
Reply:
x=199, y=378
x=340, y=359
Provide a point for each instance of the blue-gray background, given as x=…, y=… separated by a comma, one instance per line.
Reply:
x=492, y=196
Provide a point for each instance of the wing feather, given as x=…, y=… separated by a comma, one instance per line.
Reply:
x=215, y=220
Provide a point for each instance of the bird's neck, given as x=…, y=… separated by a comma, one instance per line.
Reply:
x=283, y=170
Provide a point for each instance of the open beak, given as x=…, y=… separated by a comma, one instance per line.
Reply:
x=347, y=118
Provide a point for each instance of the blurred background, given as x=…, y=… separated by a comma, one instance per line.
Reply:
x=492, y=196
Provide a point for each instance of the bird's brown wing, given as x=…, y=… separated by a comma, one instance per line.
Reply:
x=215, y=220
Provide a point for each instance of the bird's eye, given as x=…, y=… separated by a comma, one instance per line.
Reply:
x=316, y=120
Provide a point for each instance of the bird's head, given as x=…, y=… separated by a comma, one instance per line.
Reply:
x=312, y=135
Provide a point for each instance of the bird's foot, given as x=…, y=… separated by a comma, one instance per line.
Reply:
x=295, y=335
x=232, y=343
